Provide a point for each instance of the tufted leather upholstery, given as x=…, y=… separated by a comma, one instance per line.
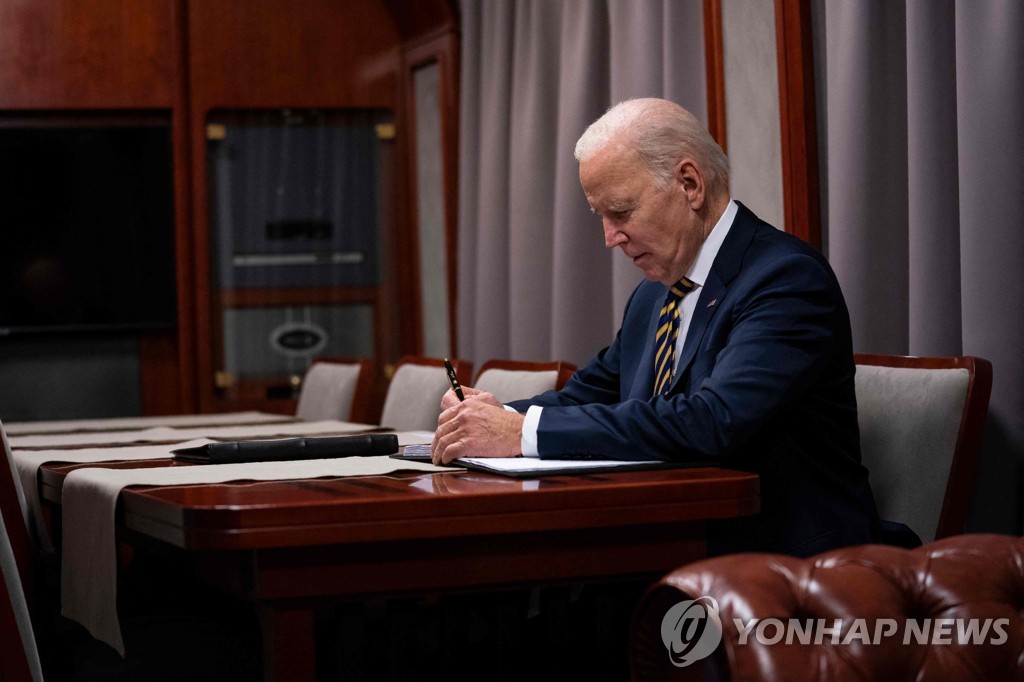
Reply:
x=961, y=577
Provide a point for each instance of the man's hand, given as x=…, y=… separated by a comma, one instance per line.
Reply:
x=449, y=399
x=477, y=427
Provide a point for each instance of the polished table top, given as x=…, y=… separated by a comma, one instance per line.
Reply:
x=404, y=506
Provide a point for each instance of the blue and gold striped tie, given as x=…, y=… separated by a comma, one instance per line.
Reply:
x=668, y=332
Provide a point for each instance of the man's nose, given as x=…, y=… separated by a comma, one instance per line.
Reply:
x=613, y=236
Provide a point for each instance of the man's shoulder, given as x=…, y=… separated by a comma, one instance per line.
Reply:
x=775, y=248
x=760, y=258
x=766, y=236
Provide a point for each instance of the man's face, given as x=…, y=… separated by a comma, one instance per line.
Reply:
x=654, y=226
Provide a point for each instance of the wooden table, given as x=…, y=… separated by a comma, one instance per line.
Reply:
x=289, y=545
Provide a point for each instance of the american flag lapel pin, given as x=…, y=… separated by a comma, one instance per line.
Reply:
x=712, y=303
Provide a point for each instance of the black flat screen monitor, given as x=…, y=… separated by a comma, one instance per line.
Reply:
x=86, y=228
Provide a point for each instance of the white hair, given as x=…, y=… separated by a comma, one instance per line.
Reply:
x=662, y=133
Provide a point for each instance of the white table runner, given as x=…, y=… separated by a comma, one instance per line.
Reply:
x=136, y=423
x=89, y=561
x=29, y=461
x=168, y=434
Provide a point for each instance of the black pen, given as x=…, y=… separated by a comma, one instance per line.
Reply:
x=453, y=380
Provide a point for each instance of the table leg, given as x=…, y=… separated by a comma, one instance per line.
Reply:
x=289, y=647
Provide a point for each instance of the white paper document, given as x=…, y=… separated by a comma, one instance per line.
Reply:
x=535, y=465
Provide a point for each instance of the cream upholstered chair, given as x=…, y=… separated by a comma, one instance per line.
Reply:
x=510, y=380
x=413, y=401
x=335, y=388
x=19, y=657
x=921, y=423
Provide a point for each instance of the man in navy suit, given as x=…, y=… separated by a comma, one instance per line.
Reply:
x=736, y=350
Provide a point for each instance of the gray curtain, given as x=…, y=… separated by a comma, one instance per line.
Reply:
x=922, y=103
x=535, y=281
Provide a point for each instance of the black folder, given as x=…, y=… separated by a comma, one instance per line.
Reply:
x=364, y=445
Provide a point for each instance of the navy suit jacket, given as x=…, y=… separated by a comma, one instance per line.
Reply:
x=764, y=384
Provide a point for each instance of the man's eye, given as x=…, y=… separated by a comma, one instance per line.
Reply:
x=619, y=216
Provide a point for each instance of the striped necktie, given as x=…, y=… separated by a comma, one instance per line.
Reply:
x=668, y=332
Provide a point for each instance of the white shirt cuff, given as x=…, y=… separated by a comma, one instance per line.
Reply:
x=530, y=426
x=528, y=444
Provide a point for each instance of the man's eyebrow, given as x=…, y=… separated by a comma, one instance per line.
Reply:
x=614, y=206
x=621, y=205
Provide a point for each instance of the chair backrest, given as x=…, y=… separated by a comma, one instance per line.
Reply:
x=921, y=423
x=16, y=662
x=413, y=401
x=512, y=380
x=336, y=388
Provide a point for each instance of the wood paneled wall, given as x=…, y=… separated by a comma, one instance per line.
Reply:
x=86, y=54
x=186, y=58
x=305, y=53
x=264, y=54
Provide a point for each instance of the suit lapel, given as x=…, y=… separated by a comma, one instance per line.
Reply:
x=723, y=271
x=711, y=295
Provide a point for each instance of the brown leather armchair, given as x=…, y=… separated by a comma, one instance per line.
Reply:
x=950, y=610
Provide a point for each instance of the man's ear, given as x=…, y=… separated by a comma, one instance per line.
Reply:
x=691, y=182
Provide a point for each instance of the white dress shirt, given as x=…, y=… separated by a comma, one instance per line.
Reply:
x=698, y=274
